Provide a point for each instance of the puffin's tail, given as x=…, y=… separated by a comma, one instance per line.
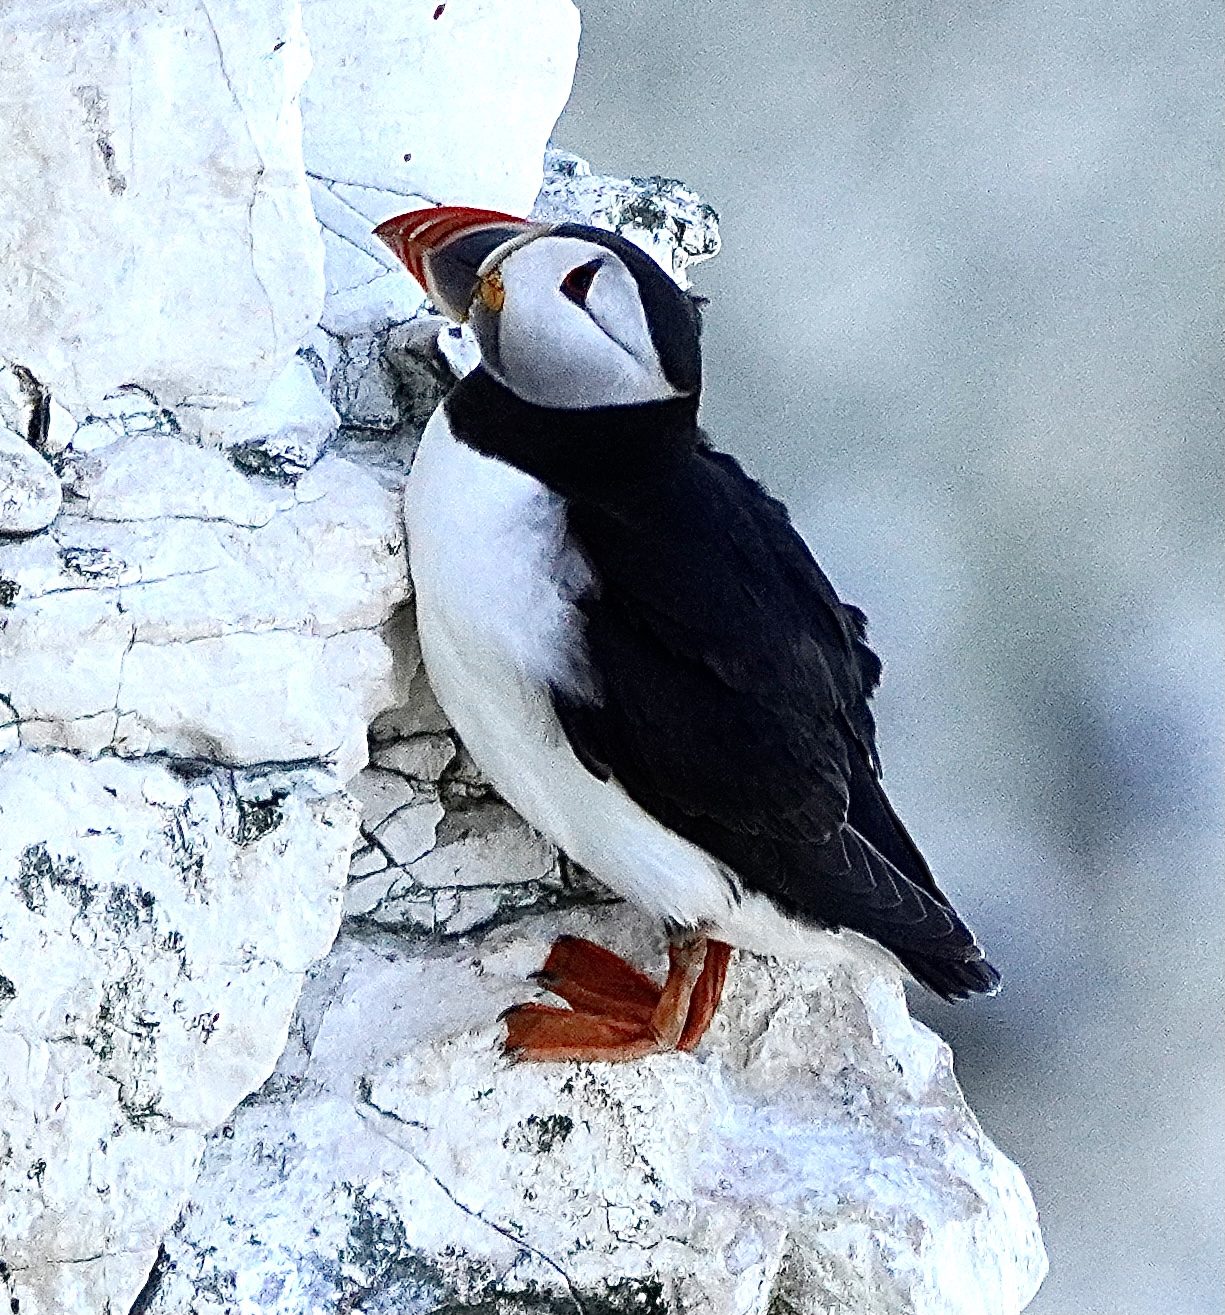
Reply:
x=913, y=922
x=953, y=979
x=950, y=962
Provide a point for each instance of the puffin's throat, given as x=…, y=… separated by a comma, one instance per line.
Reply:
x=596, y=453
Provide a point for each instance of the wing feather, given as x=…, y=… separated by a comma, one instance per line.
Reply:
x=730, y=698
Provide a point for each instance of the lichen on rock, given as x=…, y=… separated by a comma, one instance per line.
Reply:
x=668, y=220
x=157, y=924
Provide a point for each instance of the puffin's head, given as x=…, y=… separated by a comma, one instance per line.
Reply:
x=566, y=316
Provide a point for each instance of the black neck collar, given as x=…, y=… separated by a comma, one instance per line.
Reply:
x=596, y=453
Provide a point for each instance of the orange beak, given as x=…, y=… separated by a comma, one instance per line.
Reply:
x=444, y=248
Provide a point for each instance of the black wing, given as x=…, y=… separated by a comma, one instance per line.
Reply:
x=732, y=704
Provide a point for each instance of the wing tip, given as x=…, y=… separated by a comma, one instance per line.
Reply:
x=956, y=979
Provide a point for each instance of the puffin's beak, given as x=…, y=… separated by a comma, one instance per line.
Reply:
x=444, y=248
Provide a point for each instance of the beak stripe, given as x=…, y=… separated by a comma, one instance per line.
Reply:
x=414, y=235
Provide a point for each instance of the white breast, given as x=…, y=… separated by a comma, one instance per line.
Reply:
x=490, y=564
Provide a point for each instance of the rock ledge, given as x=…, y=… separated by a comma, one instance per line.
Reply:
x=815, y=1155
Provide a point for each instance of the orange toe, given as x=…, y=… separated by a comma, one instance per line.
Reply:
x=707, y=992
x=597, y=981
x=542, y=1032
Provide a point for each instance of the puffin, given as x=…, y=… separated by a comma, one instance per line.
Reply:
x=638, y=648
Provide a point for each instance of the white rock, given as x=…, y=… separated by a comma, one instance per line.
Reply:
x=9, y=736
x=816, y=1155
x=283, y=434
x=411, y=831
x=171, y=243
x=484, y=843
x=454, y=103
x=410, y=105
x=155, y=932
x=15, y=400
x=183, y=608
x=414, y=708
x=151, y=476
x=95, y=433
x=423, y=758
x=319, y=351
x=61, y=426
x=30, y=494
x=126, y=412
x=459, y=348
x=439, y=852
x=367, y=287
x=668, y=220
x=382, y=793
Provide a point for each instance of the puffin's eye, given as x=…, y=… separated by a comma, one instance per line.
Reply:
x=577, y=284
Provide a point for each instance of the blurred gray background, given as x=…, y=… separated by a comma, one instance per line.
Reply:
x=966, y=323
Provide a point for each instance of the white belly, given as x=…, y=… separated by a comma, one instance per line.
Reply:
x=486, y=543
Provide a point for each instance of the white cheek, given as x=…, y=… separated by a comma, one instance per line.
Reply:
x=561, y=358
x=548, y=350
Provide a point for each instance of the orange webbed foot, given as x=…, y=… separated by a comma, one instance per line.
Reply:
x=545, y=1032
x=617, y=1012
x=594, y=980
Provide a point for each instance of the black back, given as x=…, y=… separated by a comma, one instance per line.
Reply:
x=731, y=684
